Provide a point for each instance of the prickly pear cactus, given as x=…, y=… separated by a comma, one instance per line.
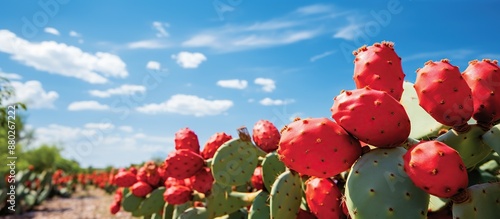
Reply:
x=260, y=206
x=482, y=202
x=286, y=196
x=235, y=161
x=492, y=138
x=272, y=167
x=378, y=187
x=469, y=145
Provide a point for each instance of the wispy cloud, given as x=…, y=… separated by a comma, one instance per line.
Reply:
x=320, y=56
x=126, y=89
x=275, y=102
x=438, y=55
x=62, y=59
x=74, y=34
x=87, y=105
x=160, y=29
x=147, y=44
x=314, y=9
x=188, y=105
x=10, y=76
x=51, y=30
x=299, y=25
x=233, y=83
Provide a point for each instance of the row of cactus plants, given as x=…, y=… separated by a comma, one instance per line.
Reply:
x=394, y=149
x=32, y=188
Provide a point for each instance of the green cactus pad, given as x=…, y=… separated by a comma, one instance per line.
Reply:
x=154, y=202
x=235, y=161
x=168, y=211
x=378, y=187
x=492, y=138
x=179, y=209
x=272, y=167
x=478, y=176
x=260, y=206
x=240, y=214
x=483, y=203
x=223, y=201
x=43, y=194
x=491, y=166
x=422, y=124
x=469, y=145
x=194, y=213
x=286, y=196
x=130, y=202
x=22, y=176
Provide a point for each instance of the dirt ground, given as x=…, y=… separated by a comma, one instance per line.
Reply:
x=92, y=204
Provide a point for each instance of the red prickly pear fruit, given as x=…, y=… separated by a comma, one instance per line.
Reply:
x=174, y=182
x=198, y=204
x=317, y=147
x=483, y=77
x=372, y=116
x=152, y=177
x=125, y=179
x=118, y=195
x=266, y=136
x=303, y=214
x=141, y=189
x=133, y=170
x=256, y=179
x=185, y=138
x=162, y=173
x=142, y=175
x=323, y=198
x=177, y=195
x=345, y=210
x=379, y=67
x=436, y=168
x=213, y=143
x=183, y=163
x=114, y=208
x=444, y=94
x=202, y=181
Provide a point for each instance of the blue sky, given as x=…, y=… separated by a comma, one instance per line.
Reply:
x=112, y=81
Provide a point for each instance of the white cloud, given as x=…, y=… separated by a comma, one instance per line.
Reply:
x=100, y=126
x=450, y=54
x=153, y=65
x=74, y=34
x=349, y=32
x=314, y=9
x=188, y=59
x=52, y=31
x=160, y=28
x=87, y=105
x=268, y=85
x=322, y=55
x=126, y=128
x=233, y=83
x=200, y=41
x=147, y=44
x=33, y=94
x=270, y=102
x=297, y=26
x=61, y=59
x=188, y=105
x=126, y=89
x=10, y=76
x=92, y=146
